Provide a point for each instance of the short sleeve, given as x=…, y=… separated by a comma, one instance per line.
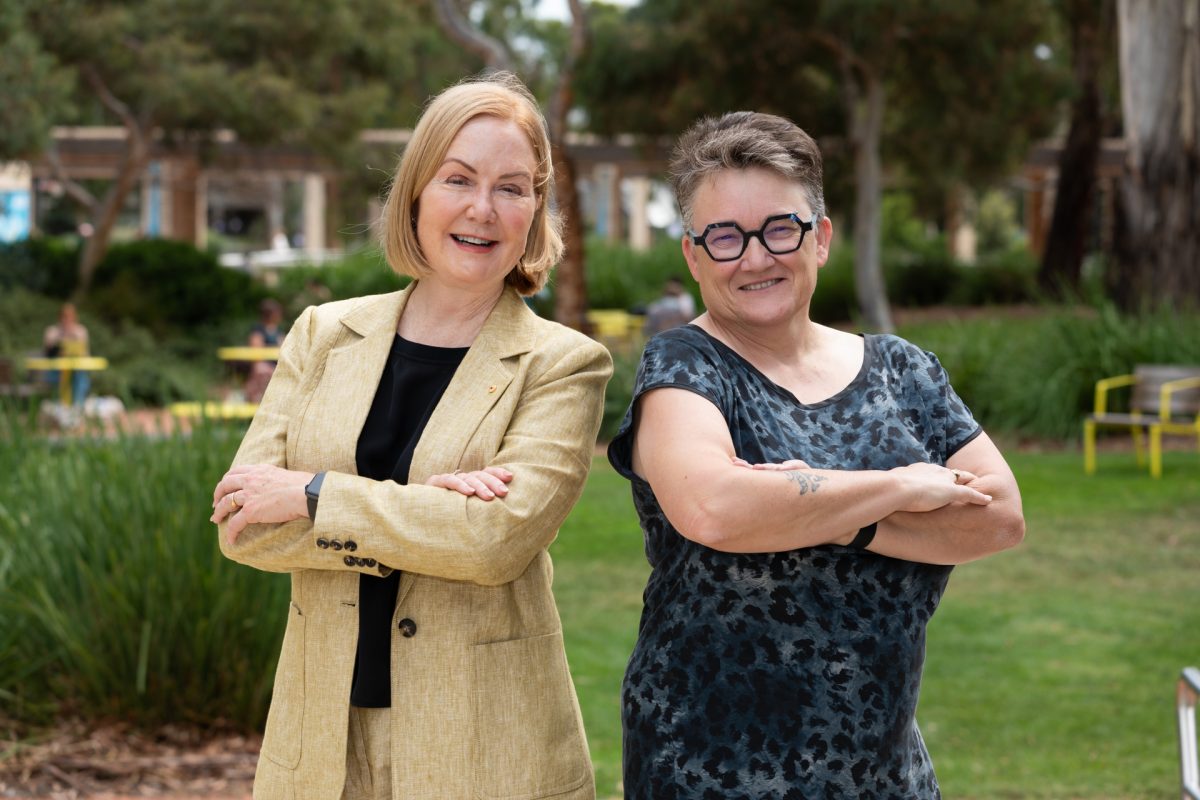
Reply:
x=680, y=358
x=951, y=422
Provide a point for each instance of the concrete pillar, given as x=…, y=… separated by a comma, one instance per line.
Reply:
x=200, y=211
x=639, y=222
x=607, y=180
x=276, y=232
x=314, y=212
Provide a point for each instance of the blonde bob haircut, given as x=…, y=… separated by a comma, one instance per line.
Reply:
x=500, y=95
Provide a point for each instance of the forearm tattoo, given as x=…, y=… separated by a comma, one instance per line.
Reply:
x=805, y=481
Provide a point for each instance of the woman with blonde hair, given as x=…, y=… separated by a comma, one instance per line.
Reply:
x=410, y=463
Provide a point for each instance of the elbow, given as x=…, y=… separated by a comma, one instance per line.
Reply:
x=705, y=523
x=1010, y=531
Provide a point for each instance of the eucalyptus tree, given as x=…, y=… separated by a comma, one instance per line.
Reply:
x=939, y=91
x=177, y=71
x=1158, y=226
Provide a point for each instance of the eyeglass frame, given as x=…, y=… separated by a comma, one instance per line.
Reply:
x=805, y=226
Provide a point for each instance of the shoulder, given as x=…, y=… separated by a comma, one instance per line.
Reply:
x=332, y=313
x=902, y=356
x=553, y=343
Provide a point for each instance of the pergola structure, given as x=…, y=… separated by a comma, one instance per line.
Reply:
x=187, y=184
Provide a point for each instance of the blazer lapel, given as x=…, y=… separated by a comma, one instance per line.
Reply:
x=481, y=380
x=351, y=378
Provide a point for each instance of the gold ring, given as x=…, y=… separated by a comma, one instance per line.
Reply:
x=956, y=475
x=233, y=500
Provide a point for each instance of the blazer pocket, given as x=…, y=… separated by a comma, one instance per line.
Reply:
x=529, y=740
x=285, y=720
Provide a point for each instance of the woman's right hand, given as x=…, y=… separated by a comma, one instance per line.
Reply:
x=486, y=484
x=929, y=487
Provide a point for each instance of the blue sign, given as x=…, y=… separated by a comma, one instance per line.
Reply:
x=14, y=215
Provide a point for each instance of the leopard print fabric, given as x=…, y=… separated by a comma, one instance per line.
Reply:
x=786, y=675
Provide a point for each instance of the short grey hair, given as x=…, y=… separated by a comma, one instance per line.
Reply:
x=741, y=140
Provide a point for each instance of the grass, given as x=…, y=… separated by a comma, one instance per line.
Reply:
x=1051, y=668
x=1050, y=674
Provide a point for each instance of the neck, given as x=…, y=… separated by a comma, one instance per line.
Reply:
x=442, y=317
x=787, y=342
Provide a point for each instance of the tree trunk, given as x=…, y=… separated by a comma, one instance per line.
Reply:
x=866, y=129
x=105, y=213
x=1158, y=249
x=570, y=284
x=1066, y=242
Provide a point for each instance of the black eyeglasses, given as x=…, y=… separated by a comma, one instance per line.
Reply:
x=782, y=233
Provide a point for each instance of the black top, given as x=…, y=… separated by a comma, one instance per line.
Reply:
x=413, y=381
x=791, y=674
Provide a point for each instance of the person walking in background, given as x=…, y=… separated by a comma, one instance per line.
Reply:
x=267, y=332
x=803, y=493
x=68, y=338
x=410, y=464
x=676, y=307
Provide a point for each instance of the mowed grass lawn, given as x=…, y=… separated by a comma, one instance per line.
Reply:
x=1051, y=669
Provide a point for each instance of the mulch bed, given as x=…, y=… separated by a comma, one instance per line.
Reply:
x=114, y=761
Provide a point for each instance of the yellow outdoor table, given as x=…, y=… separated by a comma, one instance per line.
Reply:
x=248, y=353
x=214, y=410
x=65, y=365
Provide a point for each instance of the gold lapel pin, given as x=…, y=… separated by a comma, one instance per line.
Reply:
x=492, y=388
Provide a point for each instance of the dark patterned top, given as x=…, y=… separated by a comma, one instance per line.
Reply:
x=786, y=675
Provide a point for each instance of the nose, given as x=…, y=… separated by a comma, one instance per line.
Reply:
x=482, y=204
x=757, y=256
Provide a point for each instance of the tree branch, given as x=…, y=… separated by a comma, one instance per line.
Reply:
x=75, y=190
x=456, y=26
x=564, y=95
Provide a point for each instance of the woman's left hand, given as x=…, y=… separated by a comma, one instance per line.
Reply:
x=259, y=493
x=486, y=484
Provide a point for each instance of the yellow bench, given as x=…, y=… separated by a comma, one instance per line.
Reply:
x=616, y=324
x=1164, y=399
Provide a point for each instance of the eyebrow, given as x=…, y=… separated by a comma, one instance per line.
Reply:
x=505, y=176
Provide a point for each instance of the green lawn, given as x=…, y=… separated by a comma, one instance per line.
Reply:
x=1051, y=669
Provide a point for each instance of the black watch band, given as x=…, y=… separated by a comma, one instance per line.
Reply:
x=313, y=493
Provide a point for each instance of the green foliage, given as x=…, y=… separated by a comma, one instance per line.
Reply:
x=114, y=599
x=363, y=272
x=46, y=265
x=620, y=277
x=1033, y=374
x=169, y=286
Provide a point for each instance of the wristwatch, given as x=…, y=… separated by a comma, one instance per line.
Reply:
x=313, y=493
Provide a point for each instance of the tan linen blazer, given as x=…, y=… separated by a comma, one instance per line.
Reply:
x=482, y=702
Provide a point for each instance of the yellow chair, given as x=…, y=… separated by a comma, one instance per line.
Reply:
x=615, y=325
x=1163, y=399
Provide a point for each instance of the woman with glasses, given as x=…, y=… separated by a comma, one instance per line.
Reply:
x=803, y=492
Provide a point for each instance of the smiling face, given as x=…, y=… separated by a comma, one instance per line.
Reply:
x=474, y=216
x=759, y=289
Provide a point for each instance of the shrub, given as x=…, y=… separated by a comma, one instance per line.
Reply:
x=169, y=286
x=44, y=265
x=114, y=598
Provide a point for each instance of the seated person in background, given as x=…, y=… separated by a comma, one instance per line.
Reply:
x=676, y=307
x=265, y=333
x=68, y=337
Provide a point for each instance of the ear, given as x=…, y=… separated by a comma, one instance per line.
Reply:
x=824, y=232
x=689, y=255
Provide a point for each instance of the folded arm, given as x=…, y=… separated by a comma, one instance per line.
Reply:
x=960, y=532
x=683, y=449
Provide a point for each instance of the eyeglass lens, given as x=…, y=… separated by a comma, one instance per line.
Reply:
x=779, y=235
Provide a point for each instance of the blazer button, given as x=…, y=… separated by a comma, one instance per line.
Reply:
x=369, y=562
x=349, y=561
x=351, y=545
x=323, y=543
x=336, y=544
x=408, y=628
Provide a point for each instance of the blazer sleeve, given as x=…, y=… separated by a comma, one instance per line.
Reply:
x=268, y=546
x=548, y=446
